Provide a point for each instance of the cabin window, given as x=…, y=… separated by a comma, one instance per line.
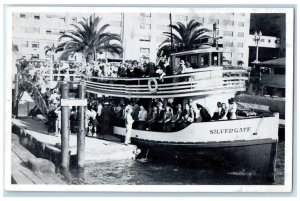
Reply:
x=214, y=59
x=204, y=59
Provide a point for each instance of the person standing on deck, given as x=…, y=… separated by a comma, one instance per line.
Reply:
x=129, y=122
x=135, y=111
x=106, y=118
x=177, y=118
x=142, y=118
x=232, y=109
x=52, y=117
x=217, y=113
x=224, y=112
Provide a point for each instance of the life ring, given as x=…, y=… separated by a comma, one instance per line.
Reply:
x=152, y=90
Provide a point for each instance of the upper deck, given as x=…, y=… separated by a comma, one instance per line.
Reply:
x=205, y=81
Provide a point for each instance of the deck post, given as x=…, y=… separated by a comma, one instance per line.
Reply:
x=16, y=94
x=65, y=162
x=81, y=128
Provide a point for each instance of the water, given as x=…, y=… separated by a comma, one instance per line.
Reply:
x=151, y=172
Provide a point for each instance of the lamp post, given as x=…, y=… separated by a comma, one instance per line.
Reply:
x=257, y=38
x=215, y=38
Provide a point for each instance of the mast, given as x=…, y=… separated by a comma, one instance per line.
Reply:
x=172, y=45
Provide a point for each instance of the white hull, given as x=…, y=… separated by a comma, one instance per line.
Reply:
x=215, y=131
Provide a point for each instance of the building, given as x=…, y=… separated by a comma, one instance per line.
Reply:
x=142, y=33
x=33, y=32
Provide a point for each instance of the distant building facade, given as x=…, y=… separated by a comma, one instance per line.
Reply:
x=142, y=33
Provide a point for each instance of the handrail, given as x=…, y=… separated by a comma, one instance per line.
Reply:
x=35, y=95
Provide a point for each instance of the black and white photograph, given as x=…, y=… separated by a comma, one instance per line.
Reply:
x=184, y=99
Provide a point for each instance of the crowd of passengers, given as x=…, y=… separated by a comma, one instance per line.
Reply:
x=39, y=71
x=102, y=116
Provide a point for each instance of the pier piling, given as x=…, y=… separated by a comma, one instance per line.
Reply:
x=81, y=128
x=65, y=162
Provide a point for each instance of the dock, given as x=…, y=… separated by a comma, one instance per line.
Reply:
x=24, y=173
x=34, y=136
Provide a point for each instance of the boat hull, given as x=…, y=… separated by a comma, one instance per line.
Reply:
x=245, y=144
x=256, y=156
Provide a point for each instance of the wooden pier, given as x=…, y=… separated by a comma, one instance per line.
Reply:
x=34, y=133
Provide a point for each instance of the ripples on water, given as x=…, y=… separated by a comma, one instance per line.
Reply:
x=149, y=172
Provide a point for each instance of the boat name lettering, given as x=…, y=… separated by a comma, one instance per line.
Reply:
x=230, y=130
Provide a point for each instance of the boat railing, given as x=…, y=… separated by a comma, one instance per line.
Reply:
x=193, y=83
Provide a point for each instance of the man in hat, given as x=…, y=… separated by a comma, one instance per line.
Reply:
x=106, y=119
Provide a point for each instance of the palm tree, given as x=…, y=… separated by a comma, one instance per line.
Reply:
x=186, y=37
x=50, y=50
x=89, y=40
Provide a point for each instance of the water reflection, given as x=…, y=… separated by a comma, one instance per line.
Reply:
x=170, y=172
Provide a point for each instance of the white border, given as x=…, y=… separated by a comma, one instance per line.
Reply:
x=159, y=188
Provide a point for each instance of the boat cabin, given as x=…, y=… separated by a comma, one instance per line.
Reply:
x=199, y=58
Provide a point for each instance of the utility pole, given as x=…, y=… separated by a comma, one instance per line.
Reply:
x=65, y=159
x=81, y=128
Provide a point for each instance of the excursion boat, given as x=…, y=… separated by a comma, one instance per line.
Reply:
x=246, y=141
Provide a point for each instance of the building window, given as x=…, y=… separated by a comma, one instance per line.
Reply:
x=262, y=40
x=146, y=14
x=74, y=20
x=145, y=38
x=279, y=71
x=48, y=32
x=24, y=44
x=240, y=34
x=240, y=45
x=228, y=44
x=181, y=17
x=228, y=22
x=22, y=16
x=36, y=17
x=228, y=33
x=241, y=24
x=62, y=32
x=35, y=45
x=145, y=26
x=269, y=41
x=145, y=50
